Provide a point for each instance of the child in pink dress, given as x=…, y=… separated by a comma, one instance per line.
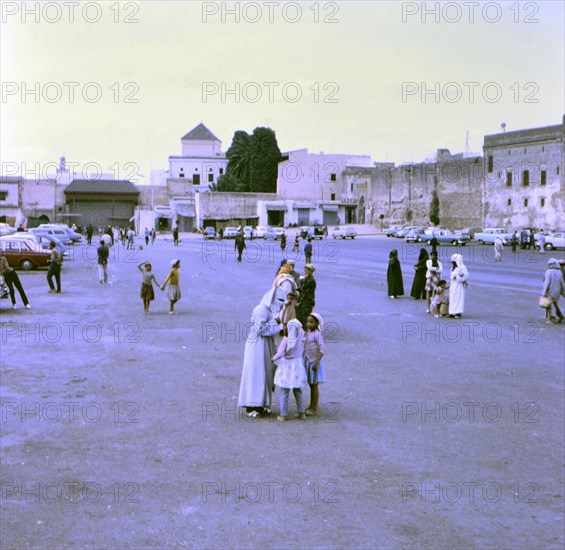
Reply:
x=291, y=373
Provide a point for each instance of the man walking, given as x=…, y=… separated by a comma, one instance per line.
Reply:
x=239, y=245
x=541, y=242
x=308, y=250
x=176, y=236
x=103, y=253
x=130, y=236
x=283, y=241
x=89, y=233
x=55, y=269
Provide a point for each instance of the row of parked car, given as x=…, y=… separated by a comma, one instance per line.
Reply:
x=275, y=233
x=413, y=233
x=30, y=249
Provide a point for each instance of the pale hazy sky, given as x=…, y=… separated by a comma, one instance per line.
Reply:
x=165, y=54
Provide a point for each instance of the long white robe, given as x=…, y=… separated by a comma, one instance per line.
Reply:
x=257, y=377
x=457, y=289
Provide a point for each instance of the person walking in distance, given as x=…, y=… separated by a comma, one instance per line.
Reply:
x=153, y=236
x=176, y=236
x=394, y=276
x=283, y=242
x=308, y=250
x=147, y=234
x=89, y=233
x=541, y=242
x=12, y=280
x=240, y=245
x=103, y=254
x=55, y=269
x=498, y=245
x=130, y=235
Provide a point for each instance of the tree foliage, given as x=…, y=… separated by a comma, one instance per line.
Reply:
x=252, y=162
x=434, y=208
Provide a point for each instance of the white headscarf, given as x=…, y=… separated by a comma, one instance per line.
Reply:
x=320, y=321
x=295, y=333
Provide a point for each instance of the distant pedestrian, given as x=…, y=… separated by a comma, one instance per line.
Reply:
x=296, y=246
x=419, y=285
x=458, y=286
x=103, y=254
x=541, y=242
x=314, y=349
x=147, y=234
x=221, y=233
x=89, y=233
x=240, y=245
x=283, y=241
x=176, y=236
x=290, y=373
x=148, y=278
x=433, y=275
x=514, y=241
x=130, y=236
x=532, y=242
x=308, y=250
x=108, y=231
x=12, y=280
x=394, y=276
x=306, y=294
x=173, y=278
x=55, y=265
x=153, y=236
x=554, y=288
x=498, y=246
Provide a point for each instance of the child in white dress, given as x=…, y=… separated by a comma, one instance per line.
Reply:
x=291, y=373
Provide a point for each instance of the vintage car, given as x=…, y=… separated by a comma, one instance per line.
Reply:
x=555, y=240
x=344, y=232
x=391, y=231
x=489, y=235
x=209, y=233
x=444, y=236
x=230, y=232
x=24, y=254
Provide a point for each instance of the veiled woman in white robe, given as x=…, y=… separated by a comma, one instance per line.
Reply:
x=257, y=377
x=458, y=284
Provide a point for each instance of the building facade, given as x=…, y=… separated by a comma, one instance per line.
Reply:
x=523, y=178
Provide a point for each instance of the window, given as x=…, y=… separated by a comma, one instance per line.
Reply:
x=332, y=197
x=542, y=202
x=3, y=195
x=525, y=202
x=181, y=175
x=543, y=179
x=221, y=171
x=526, y=178
x=211, y=178
x=351, y=187
x=333, y=177
x=196, y=179
x=509, y=202
x=508, y=179
x=490, y=163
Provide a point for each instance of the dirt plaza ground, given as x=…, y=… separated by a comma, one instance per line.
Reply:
x=121, y=430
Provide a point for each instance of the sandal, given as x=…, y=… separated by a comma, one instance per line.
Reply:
x=281, y=418
x=252, y=414
x=310, y=412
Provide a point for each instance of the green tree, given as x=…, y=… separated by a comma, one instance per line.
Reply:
x=265, y=156
x=434, y=208
x=252, y=162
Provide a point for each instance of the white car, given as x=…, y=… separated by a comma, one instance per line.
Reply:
x=344, y=232
x=6, y=229
x=230, y=232
x=557, y=240
x=260, y=232
x=279, y=231
x=489, y=235
x=248, y=232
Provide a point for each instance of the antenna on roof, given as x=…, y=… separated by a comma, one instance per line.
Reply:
x=468, y=151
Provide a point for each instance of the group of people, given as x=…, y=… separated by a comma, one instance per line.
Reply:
x=284, y=347
x=442, y=297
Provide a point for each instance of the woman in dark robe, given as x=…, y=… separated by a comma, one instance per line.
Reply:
x=394, y=276
x=419, y=284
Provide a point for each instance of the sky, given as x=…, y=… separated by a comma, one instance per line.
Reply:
x=113, y=86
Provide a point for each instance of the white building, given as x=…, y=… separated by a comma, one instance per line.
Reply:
x=202, y=160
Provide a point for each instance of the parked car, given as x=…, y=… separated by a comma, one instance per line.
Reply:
x=344, y=232
x=61, y=234
x=279, y=232
x=471, y=231
x=444, y=236
x=248, y=232
x=489, y=235
x=73, y=235
x=318, y=231
x=45, y=239
x=270, y=234
x=400, y=234
x=6, y=229
x=391, y=231
x=21, y=253
x=556, y=240
x=415, y=235
x=209, y=233
x=230, y=232
x=260, y=232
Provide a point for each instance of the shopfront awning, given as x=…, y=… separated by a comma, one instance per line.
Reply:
x=304, y=206
x=329, y=208
x=279, y=207
x=185, y=210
